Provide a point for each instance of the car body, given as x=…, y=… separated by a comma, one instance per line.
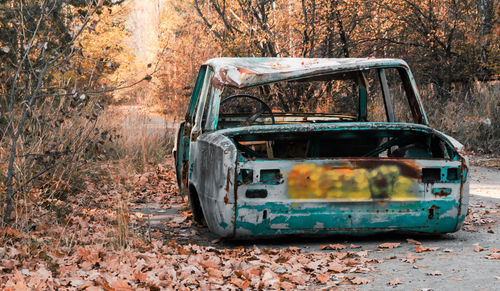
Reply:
x=277, y=146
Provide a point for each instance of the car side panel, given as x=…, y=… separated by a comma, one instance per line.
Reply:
x=212, y=164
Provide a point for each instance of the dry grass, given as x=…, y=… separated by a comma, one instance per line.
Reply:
x=137, y=137
x=50, y=154
x=471, y=115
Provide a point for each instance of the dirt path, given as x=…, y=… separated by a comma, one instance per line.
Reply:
x=461, y=266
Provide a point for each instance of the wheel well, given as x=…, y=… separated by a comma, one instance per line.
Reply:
x=194, y=202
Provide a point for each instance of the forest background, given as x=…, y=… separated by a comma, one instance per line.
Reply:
x=72, y=71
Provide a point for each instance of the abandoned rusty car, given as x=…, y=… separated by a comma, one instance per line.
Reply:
x=277, y=146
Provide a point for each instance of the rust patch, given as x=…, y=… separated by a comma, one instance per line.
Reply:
x=244, y=71
x=226, y=79
x=228, y=180
x=432, y=211
x=407, y=168
x=217, y=84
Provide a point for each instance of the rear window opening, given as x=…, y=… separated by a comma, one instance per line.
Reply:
x=343, y=144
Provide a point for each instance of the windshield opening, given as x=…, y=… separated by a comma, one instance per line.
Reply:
x=341, y=97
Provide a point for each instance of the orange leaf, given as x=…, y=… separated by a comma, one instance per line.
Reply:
x=360, y=280
x=323, y=278
x=420, y=248
x=478, y=249
x=287, y=285
x=333, y=247
x=297, y=279
x=336, y=267
x=389, y=245
x=104, y=285
x=411, y=258
x=242, y=284
x=494, y=256
x=11, y=232
x=141, y=276
x=120, y=285
x=412, y=241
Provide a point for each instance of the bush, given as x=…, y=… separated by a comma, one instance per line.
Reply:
x=471, y=114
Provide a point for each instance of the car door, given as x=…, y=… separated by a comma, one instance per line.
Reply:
x=181, y=152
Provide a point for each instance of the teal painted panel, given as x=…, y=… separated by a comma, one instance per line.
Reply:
x=437, y=216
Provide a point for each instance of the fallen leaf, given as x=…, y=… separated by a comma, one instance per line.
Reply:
x=420, y=248
x=341, y=256
x=395, y=282
x=323, y=278
x=448, y=250
x=457, y=279
x=142, y=181
x=336, y=267
x=478, y=249
x=251, y=273
x=360, y=280
x=242, y=284
x=353, y=246
x=389, y=245
x=494, y=256
x=434, y=273
x=138, y=275
x=120, y=285
x=287, y=285
x=412, y=241
x=300, y=280
x=494, y=250
x=335, y=247
x=411, y=258
x=104, y=285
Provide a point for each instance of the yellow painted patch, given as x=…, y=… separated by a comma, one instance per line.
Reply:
x=309, y=181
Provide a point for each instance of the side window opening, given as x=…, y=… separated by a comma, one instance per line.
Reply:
x=207, y=110
x=195, y=97
x=375, y=102
x=399, y=98
x=203, y=103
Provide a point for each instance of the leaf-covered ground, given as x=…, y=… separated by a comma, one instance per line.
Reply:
x=103, y=238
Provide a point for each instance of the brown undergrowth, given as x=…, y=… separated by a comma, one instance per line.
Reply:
x=471, y=115
x=97, y=244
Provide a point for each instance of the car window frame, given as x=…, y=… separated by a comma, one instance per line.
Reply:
x=407, y=79
x=202, y=99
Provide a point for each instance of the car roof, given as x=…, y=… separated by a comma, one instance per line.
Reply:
x=247, y=72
